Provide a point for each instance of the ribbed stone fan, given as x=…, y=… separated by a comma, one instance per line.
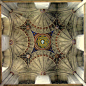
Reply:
x=24, y=9
x=63, y=41
x=41, y=20
x=72, y=60
x=72, y=57
x=18, y=66
x=19, y=42
x=69, y=17
x=64, y=16
x=42, y=63
x=17, y=19
x=64, y=68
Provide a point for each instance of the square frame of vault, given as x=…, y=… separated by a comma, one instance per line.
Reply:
x=41, y=1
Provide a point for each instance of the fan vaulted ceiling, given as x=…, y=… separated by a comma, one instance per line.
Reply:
x=42, y=41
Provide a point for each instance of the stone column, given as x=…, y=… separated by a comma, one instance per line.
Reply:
x=5, y=72
x=78, y=7
x=13, y=80
x=6, y=79
x=4, y=11
x=80, y=72
x=77, y=77
x=80, y=79
x=80, y=12
x=73, y=80
x=9, y=77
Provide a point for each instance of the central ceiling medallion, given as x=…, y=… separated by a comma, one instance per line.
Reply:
x=42, y=41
